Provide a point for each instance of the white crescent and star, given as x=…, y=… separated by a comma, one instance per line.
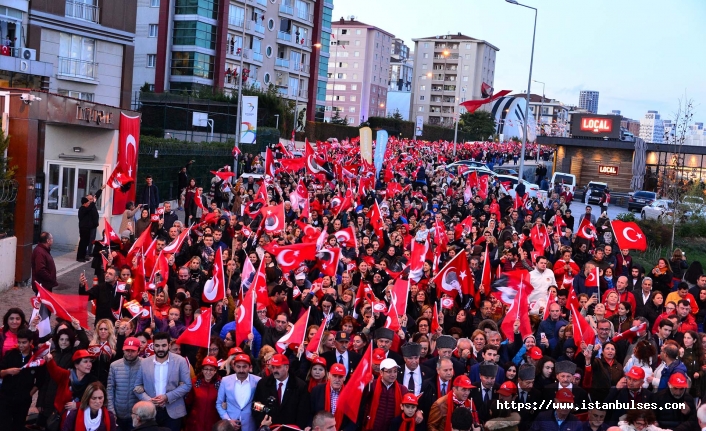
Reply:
x=625, y=234
x=197, y=324
x=281, y=258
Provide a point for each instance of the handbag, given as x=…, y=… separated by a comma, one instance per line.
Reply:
x=53, y=422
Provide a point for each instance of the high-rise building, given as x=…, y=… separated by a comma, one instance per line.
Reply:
x=652, y=128
x=588, y=100
x=554, y=119
x=359, y=71
x=448, y=70
x=191, y=45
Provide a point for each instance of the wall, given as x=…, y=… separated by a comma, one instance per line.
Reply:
x=583, y=162
x=7, y=256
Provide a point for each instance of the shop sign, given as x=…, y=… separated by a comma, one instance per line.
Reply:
x=607, y=170
x=92, y=115
x=596, y=125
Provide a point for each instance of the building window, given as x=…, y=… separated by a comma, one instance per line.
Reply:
x=426, y=55
x=357, y=31
x=355, y=76
x=424, y=66
x=82, y=9
x=194, y=64
x=421, y=97
x=356, y=54
x=420, y=109
x=468, y=56
x=77, y=56
x=465, y=79
x=422, y=87
x=68, y=183
x=151, y=60
x=353, y=98
x=350, y=121
x=153, y=30
x=354, y=87
x=154, y=3
x=468, y=46
x=351, y=109
x=82, y=95
x=204, y=8
x=267, y=78
x=268, y=51
x=426, y=44
x=271, y=24
x=236, y=15
x=357, y=43
x=195, y=33
x=344, y=31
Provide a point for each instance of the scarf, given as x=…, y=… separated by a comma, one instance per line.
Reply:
x=376, y=401
x=85, y=423
x=327, y=397
x=451, y=403
x=408, y=424
x=313, y=382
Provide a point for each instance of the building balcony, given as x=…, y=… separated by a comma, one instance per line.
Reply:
x=74, y=68
x=235, y=22
x=282, y=90
x=254, y=26
x=450, y=57
x=287, y=37
x=82, y=11
x=282, y=62
x=256, y=56
x=261, y=2
x=287, y=10
x=303, y=15
x=300, y=68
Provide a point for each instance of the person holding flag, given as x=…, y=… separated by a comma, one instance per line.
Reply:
x=105, y=294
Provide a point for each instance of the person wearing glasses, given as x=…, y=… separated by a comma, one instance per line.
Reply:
x=143, y=416
x=201, y=401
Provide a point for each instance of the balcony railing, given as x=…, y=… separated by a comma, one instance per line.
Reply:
x=262, y=2
x=304, y=15
x=81, y=10
x=282, y=62
x=283, y=8
x=283, y=91
x=78, y=68
x=257, y=56
x=259, y=28
x=235, y=21
x=299, y=67
x=284, y=36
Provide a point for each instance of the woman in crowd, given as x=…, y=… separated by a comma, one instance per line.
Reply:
x=692, y=355
x=71, y=384
x=201, y=401
x=92, y=414
x=103, y=347
x=622, y=321
x=600, y=374
x=654, y=307
x=662, y=276
x=13, y=321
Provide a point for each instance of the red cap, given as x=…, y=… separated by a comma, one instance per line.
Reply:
x=210, y=360
x=338, y=370
x=463, y=382
x=535, y=353
x=318, y=361
x=378, y=356
x=410, y=398
x=240, y=357
x=508, y=389
x=234, y=351
x=131, y=343
x=678, y=380
x=636, y=373
x=80, y=354
x=261, y=306
x=564, y=396
x=279, y=359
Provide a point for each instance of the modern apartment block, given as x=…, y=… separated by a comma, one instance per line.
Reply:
x=188, y=45
x=449, y=69
x=358, y=72
x=88, y=43
x=652, y=128
x=588, y=100
x=554, y=117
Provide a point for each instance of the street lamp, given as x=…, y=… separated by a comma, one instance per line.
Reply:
x=541, y=112
x=277, y=123
x=458, y=118
x=529, y=85
x=299, y=78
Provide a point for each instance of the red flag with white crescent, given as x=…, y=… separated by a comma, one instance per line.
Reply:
x=244, y=317
x=37, y=358
x=199, y=332
x=290, y=257
x=313, y=347
x=128, y=144
x=296, y=334
x=629, y=236
x=214, y=289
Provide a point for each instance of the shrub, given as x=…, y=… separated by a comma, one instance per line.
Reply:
x=626, y=217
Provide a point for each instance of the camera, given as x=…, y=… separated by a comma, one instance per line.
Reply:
x=260, y=407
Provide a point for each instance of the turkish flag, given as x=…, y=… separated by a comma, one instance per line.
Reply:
x=520, y=201
x=274, y=219
x=198, y=201
x=313, y=347
x=296, y=334
x=214, y=289
x=364, y=293
x=175, y=245
x=473, y=105
x=64, y=306
x=417, y=259
x=128, y=144
x=346, y=203
x=631, y=333
x=539, y=237
x=119, y=179
x=483, y=186
x=351, y=396
x=291, y=165
x=581, y=327
x=399, y=295
x=520, y=281
x=37, y=358
x=434, y=319
x=376, y=221
x=559, y=223
x=393, y=320
x=269, y=163
x=199, y=332
x=346, y=237
x=593, y=278
x=311, y=234
x=551, y=299
x=629, y=235
x=455, y=277
x=290, y=257
x=110, y=235
x=259, y=285
x=486, y=277
x=586, y=229
x=327, y=260
x=312, y=165
x=134, y=308
x=223, y=175
x=472, y=179
x=244, y=316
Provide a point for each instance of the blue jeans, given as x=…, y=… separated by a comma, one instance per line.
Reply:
x=164, y=420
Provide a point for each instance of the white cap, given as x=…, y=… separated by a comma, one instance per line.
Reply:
x=300, y=276
x=388, y=364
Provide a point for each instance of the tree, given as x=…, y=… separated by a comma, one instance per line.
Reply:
x=397, y=116
x=337, y=119
x=477, y=125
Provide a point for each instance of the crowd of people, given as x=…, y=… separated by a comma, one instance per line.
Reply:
x=451, y=363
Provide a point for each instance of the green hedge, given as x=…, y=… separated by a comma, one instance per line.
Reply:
x=323, y=131
x=405, y=129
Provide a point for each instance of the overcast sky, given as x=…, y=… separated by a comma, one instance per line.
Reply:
x=639, y=54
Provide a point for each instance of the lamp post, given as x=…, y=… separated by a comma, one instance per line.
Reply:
x=299, y=77
x=529, y=85
x=239, y=110
x=463, y=99
x=541, y=112
x=277, y=123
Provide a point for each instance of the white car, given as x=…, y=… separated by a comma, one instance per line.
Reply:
x=530, y=188
x=660, y=210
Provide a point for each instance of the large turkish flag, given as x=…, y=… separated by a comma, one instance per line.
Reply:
x=128, y=144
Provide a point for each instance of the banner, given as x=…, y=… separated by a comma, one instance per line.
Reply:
x=128, y=145
x=380, y=147
x=366, y=144
x=419, y=127
x=248, y=122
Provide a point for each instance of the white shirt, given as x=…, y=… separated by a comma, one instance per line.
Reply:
x=161, y=371
x=242, y=392
x=417, y=376
x=645, y=298
x=345, y=359
x=284, y=387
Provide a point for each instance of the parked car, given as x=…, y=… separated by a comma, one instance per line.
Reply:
x=594, y=190
x=568, y=180
x=660, y=210
x=506, y=171
x=530, y=188
x=693, y=207
x=641, y=198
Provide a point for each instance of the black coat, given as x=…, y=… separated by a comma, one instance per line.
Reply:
x=477, y=397
x=623, y=396
x=295, y=407
x=580, y=395
x=318, y=403
x=459, y=367
x=332, y=358
x=670, y=418
x=107, y=299
x=401, y=378
x=528, y=415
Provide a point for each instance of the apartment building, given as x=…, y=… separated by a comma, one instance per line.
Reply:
x=449, y=69
x=358, y=72
x=89, y=45
x=188, y=45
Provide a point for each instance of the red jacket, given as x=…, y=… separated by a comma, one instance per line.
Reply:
x=201, y=403
x=560, y=273
x=62, y=379
x=43, y=267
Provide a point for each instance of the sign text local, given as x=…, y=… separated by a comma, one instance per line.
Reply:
x=597, y=125
x=93, y=115
x=607, y=170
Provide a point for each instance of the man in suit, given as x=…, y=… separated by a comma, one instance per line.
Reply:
x=445, y=346
x=285, y=394
x=439, y=413
x=489, y=354
x=236, y=392
x=412, y=375
x=483, y=393
x=383, y=340
x=527, y=393
x=164, y=380
x=627, y=389
x=341, y=355
x=642, y=296
x=565, y=375
x=436, y=387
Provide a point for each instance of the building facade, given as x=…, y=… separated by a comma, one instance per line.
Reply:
x=358, y=72
x=188, y=46
x=588, y=100
x=449, y=69
x=554, y=117
x=652, y=128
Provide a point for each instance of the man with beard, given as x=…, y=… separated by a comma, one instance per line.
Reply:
x=675, y=393
x=286, y=394
x=183, y=280
x=236, y=393
x=122, y=379
x=107, y=299
x=628, y=388
x=270, y=335
x=164, y=380
x=385, y=398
